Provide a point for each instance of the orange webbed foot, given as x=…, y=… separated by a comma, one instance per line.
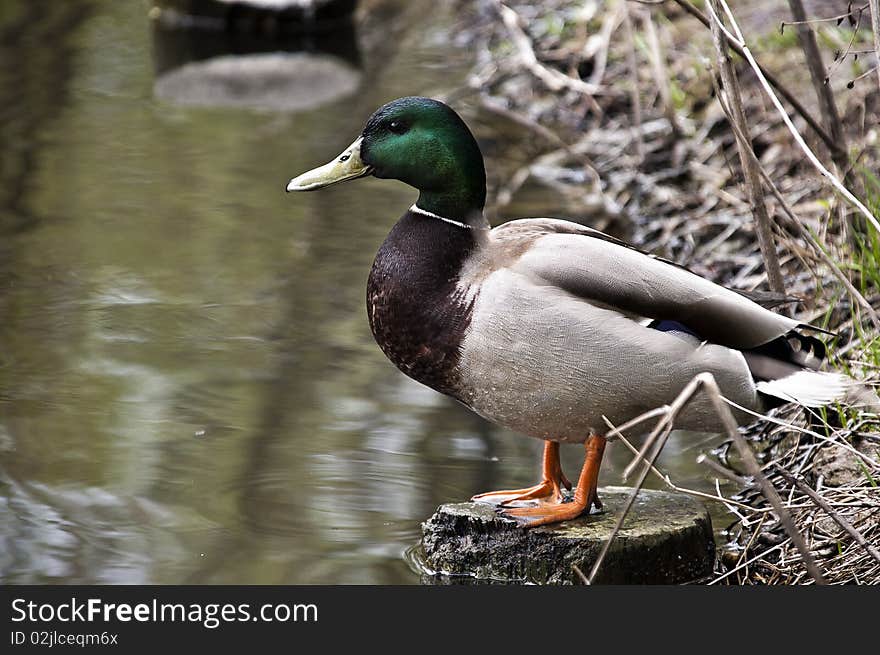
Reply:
x=530, y=517
x=548, y=490
x=585, y=495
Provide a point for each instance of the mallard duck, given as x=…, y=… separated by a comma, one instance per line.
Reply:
x=548, y=327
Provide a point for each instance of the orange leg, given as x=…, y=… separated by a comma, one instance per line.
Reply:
x=548, y=489
x=585, y=495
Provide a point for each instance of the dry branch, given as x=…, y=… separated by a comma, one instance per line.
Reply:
x=634, y=82
x=763, y=227
x=554, y=79
x=753, y=468
x=875, y=28
x=827, y=105
x=661, y=75
x=836, y=517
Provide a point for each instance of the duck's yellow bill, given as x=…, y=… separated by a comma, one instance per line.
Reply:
x=347, y=166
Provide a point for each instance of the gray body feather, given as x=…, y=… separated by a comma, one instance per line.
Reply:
x=558, y=337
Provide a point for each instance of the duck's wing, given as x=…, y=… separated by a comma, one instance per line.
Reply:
x=609, y=273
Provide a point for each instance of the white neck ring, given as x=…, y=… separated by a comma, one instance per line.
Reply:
x=424, y=212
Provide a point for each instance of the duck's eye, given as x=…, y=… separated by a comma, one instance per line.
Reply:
x=397, y=127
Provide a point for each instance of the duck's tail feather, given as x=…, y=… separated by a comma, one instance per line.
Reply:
x=820, y=388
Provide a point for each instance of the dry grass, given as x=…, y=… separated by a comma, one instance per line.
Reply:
x=841, y=466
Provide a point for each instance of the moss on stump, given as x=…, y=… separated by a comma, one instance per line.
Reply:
x=666, y=539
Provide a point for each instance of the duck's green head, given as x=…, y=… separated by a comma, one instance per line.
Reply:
x=419, y=141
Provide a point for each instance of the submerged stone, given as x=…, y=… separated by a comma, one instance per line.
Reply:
x=276, y=81
x=666, y=539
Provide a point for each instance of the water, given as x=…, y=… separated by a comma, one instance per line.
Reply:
x=189, y=391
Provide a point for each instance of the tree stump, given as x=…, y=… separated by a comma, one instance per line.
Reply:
x=666, y=539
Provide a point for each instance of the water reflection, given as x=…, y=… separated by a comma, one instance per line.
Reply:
x=188, y=387
x=285, y=66
x=28, y=107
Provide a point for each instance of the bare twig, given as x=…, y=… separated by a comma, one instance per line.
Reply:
x=580, y=573
x=791, y=426
x=827, y=106
x=630, y=500
x=658, y=63
x=753, y=469
x=763, y=227
x=825, y=95
x=837, y=518
x=873, y=69
x=609, y=24
x=657, y=438
x=747, y=562
x=634, y=82
x=674, y=487
x=720, y=470
x=616, y=432
x=875, y=27
x=554, y=79
x=839, y=59
x=830, y=19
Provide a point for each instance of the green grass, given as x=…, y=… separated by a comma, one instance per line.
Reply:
x=867, y=473
x=861, y=261
x=777, y=41
x=866, y=258
x=872, y=189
